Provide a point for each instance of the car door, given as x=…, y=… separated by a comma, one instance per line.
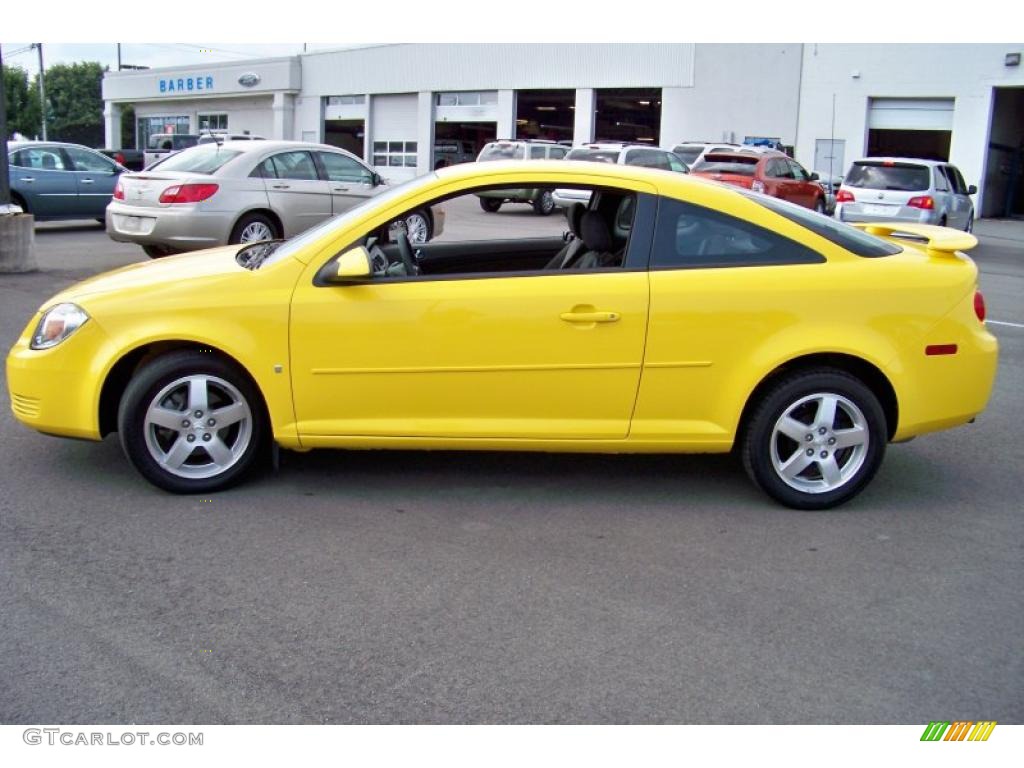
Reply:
x=543, y=355
x=350, y=181
x=41, y=176
x=960, y=202
x=95, y=179
x=805, y=191
x=295, y=190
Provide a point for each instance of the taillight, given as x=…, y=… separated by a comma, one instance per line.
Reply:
x=119, y=158
x=924, y=202
x=119, y=191
x=757, y=186
x=188, y=193
x=979, y=306
x=844, y=196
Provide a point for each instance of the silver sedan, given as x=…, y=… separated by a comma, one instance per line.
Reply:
x=245, y=191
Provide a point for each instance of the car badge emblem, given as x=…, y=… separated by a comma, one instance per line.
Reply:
x=249, y=80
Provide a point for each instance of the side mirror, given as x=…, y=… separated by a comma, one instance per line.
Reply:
x=972, y=190
x=814, y=176
x=352, y=267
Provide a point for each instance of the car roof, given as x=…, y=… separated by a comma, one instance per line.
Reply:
x=265, y=145
x=12, y=145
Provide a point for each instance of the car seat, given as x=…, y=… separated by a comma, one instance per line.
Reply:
x=574, y=215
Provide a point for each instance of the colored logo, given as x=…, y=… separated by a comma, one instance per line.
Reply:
x=960, y=730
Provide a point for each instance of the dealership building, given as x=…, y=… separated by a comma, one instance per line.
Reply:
x=406, y=108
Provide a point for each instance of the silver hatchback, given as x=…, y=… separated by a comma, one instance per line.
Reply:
x=245, y=191
x=906, y=189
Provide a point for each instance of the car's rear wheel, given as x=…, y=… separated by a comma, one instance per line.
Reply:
x=417, y=227
x=190, y=422
x=253, y=228
x=544, y=203
x=815, y=439
x=490, y=204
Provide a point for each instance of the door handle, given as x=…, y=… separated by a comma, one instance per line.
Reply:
x=590, y=317
x=339, y=189
x=86, y=181
x=281, y=186
x=28, y=179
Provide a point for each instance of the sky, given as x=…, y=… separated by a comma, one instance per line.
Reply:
x=149, y=54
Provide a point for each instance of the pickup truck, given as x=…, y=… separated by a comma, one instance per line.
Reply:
x=160, y=145
x=132, y=159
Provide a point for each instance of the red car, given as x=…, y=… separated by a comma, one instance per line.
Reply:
x=771, y=173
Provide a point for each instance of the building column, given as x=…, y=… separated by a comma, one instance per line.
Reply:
x=112, y=125
x=506, y=126
x=583, y=122
x=368, y=131
x=424, y=132
x=284, y=116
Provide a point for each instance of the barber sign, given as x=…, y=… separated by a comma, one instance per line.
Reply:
x=190, y=84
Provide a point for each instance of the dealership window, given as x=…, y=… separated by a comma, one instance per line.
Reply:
x=217, y=122
x=467, y=98
x=337, y=101
x=147, y=126
x=394, y=154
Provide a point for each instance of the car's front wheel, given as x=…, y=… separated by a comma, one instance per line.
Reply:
x=815, y=439
x=190, y=422
x=417, y=227
x=819, y=206
x=158, y=251
x=490, y=204
x=544, y=203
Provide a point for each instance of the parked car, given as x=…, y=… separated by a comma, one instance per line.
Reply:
x=161, y=145
x=906, y=189
x=768, y=172
x=697, y=317
x=54, y=180
x=692, y=151
x=452, y=152
x=245, y=191
x=132, y=159
x=617, y=153
x=520, y=149
x=213, y=137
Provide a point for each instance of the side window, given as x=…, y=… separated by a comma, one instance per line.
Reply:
x=941, y=183
x=84, y=160
x=773, y=170
x=798, y=171
x=265, y=169
x=557, y=153
x=648, y=158
x=295, y=165
x=42, y=159
x=342, y=168
x=537, y=153
x=689, y=236
x=677, y=165
x=957, y=179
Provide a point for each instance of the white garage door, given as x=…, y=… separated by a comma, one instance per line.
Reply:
x=393, y=125
x=911, y=114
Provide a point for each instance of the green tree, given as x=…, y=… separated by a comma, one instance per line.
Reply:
x=74, y=102
x=22, y=102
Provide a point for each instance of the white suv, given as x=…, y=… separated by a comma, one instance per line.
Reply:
x=617, y=153
x=692, y=151
x=520, y=149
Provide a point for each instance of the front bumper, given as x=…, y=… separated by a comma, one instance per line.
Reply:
x=55, y=390
x=184, y=228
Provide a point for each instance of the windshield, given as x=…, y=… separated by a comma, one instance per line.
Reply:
x=688, y=154
x=205, y=159
x=594, y=155
x=327, y=228
x=502, y=152
x=899, y=177
x=852, y=239
x=736, y=165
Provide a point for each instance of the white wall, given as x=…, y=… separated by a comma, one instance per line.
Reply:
x=746, y=90
x=964, y=72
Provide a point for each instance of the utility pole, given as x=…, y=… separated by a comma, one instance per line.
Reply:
x=42, y=87
x=118, y=57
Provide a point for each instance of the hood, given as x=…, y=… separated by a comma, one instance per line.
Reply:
x=170, y=271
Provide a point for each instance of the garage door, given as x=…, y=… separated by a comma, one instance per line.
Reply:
x=393, y=125
x=911, y=114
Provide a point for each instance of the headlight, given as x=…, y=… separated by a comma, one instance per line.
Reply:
x=56, y=324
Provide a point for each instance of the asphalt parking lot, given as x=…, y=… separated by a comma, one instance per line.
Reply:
x=371, y=587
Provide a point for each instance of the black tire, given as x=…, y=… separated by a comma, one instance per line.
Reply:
x=428, y=229
x=246, y=440
x=819, y=206
x=761, y=446
x=254, y=220
x=970, y=223
x=544, y=203
x=942, y=221
x=158, y=251
x=490, y=204
x=19, y=201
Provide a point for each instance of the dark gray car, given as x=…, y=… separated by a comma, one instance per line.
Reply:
x=53, y=180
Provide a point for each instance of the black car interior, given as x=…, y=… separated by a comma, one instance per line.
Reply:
x=596, y=238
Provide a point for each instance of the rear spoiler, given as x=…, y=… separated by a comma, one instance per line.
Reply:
x=942, y=241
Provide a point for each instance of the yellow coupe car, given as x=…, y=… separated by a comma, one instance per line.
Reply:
x=678, y=316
